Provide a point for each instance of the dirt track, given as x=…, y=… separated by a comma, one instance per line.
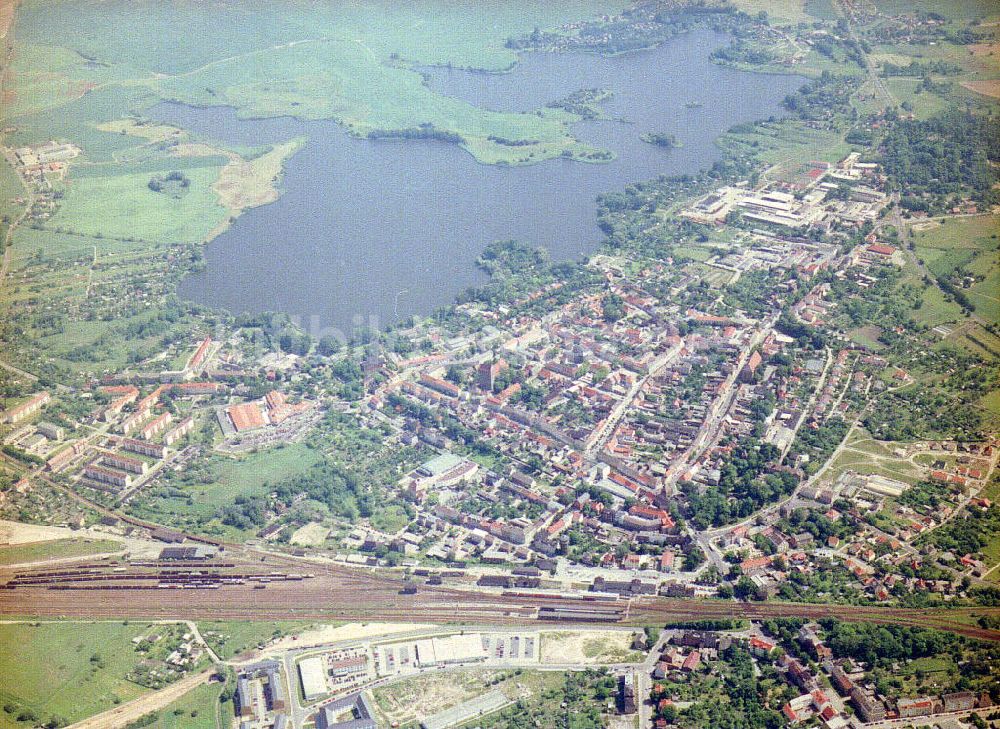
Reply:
x=122, y=715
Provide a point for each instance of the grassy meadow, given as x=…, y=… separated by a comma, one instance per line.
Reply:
x=56, y=549
x=970, y=248
x=66, y=670
x=200, y=708
x=193, y=502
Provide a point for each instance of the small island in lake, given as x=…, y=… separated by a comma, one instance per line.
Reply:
x=583, y=102
x=668, y=141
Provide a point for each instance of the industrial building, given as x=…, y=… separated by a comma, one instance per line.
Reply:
x=312, y=674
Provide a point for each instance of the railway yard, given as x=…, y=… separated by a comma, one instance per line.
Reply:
x=251, y=585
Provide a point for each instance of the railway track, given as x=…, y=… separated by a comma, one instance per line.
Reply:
x=322, y=599
x=328, y=591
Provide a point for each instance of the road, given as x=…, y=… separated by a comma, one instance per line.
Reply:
x=880, y=88
x=715, y=417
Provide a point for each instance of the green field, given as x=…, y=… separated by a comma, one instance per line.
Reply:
x=56, y=549
x=924, y=103
x=198, y=709
x=67, y=670
x=194, y=498
x=230, y=639
x=865, y=455
x=992, y=402
x=966, y=246
x=933, y=307
x=390, y=520
x=354, y=63
x=123, y=206
x=692, y=253
x=866, y=336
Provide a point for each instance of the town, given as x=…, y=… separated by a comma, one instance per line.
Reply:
x=499, y=365
x=636, y=439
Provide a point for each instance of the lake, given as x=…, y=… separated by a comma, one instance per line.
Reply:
x=368, y=232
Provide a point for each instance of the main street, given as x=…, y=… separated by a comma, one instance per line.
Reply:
x=712, y=424
x=611, y=422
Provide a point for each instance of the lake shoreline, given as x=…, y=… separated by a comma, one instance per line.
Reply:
x=373, y=220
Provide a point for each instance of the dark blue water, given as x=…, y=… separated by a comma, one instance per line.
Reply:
x=371, y=231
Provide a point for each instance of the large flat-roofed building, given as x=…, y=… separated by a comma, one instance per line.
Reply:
x=312, y=674
x=451, y=649
x=244, y=697
x=357, y=665
x=275, y=691
x=626, y=693
x=445, y=470
x=185, y=554
x=780, y=208
x=883, y=486
x=259, y=689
